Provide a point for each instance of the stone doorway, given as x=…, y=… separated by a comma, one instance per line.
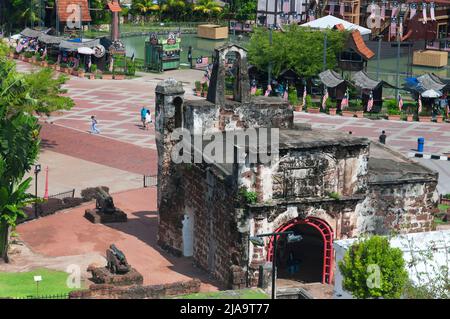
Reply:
x=309, y=260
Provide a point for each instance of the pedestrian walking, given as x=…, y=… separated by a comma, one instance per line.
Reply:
x=148, y=119
x=94, y=129
x=382, y=138
x=143, y=115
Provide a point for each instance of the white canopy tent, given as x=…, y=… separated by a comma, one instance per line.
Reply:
x=329, y=21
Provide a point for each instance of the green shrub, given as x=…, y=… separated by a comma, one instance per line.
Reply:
x=198, y=85
x=308, y=101
x=394, y=112
x=94, y=68
x=248, y=196
x=292, y=97
x=390, y=104
x=368, y=258
x=258, y=92
x=335, y=195
x=447, y=196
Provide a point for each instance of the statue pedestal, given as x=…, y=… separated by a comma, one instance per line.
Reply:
x=98, y=217
x=102, y=275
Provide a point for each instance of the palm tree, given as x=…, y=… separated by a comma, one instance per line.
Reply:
x=174, y=7
x=208, y=7
x=147, y=6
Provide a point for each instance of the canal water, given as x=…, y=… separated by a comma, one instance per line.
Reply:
x=205, y=47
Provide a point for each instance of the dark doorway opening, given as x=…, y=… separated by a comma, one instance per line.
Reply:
x=309, y=260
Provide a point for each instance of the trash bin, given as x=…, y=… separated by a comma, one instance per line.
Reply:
x=420, y=143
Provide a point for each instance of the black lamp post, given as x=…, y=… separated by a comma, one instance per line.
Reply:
x=258, y=241
x=37, y=169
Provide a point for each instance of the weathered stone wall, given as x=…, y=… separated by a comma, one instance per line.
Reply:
x=137, y=292
x=200, y=116
x=397, y=207
x=218, y=242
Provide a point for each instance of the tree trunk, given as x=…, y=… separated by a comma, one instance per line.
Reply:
x=4, y=240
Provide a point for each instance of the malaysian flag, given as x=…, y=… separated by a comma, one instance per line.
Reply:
x=344, y=102
x=393, y=27
x=394, y=9
x=400, y=102
x=201, y=62
x=419, y=103
x=447, y=110
x=324, y=99
x=253, y=90
x=373, y=8
x=286, y=6
x=269, y=89
x=424, y=12
x=413, y=10
x=311, y=15
x=332, y=5
x=304, y=95
x=432, y=15
x=342, y=8
x=370, y=102
x=383, y=11
x=285, y=94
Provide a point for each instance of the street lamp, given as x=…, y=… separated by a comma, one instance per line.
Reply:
x=37, y=279
x=258, y=241
x=37, y=169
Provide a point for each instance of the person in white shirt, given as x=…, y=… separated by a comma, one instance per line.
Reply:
x=148, y=119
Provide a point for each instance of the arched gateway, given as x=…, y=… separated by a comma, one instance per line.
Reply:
x=307, y=227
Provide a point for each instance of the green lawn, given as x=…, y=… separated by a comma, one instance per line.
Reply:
x=228, y=294
x=22, y=284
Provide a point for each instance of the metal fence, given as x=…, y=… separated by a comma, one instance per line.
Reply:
x=150, y=181
x=62, y=195
x=56, y=296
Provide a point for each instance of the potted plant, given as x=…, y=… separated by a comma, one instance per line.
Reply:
x=425, y=116
x=409, y=113
x=350, y=111
x=62, y=67
x=293, y=99
x=198, y=88
x=75, y=71
x=310, y=106
x=28, y=56
x=394, y=114
x=358, y=109
x=81, y=72
x=106, y=75
x=440, y=117
x=331, y=108
x=119, y=76
x=204, y=89
x=93, y=72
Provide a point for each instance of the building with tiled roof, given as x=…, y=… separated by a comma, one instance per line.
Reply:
x=65, y=11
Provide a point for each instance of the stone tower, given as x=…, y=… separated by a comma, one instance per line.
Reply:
x=169, y=116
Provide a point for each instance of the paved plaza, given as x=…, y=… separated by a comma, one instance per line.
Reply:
x=124, y=152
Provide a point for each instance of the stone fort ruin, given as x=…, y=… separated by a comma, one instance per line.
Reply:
x=323, y=185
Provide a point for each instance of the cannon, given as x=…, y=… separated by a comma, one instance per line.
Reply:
x=116, y=261
x=104, y=202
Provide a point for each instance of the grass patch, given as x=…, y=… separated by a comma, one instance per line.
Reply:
x=21, y=284
x=443, y=207
x=228, y=294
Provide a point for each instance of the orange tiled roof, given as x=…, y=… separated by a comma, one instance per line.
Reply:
x=339, y=27
x=114, y=6
x=63, y=7
x=361, y=45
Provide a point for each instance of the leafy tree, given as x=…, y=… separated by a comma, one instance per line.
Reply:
x=373, y=269
x=174, y=8
x=209, y=8
x=22, y=96
x=298, y=48
x=244, y=9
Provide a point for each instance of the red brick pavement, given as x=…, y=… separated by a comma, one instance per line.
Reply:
x=400, y=135
x=99, y=149
x=69, y=233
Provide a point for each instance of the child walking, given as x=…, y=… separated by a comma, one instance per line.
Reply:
x=94, y=129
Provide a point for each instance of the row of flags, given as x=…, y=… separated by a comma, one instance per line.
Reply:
x=373, y=9
x=345, y=99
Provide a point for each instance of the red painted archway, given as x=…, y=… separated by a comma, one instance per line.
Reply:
x=327, y=237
